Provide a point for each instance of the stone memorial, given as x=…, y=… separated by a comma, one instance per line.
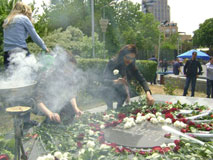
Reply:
x=145, y=135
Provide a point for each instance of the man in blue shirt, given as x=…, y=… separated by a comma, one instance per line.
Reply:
x=176, y=67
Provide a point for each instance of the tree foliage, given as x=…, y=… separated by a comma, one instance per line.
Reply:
x=204, y=35
x=71, y=39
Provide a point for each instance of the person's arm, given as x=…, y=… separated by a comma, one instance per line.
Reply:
x=200, y=68
x=185, y=67
x=75, y=107
x=108, y=74
x=32, y=32
x=143, y=83
x=52, y=116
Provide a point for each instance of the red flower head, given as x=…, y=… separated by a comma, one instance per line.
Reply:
x=142, y=152
x=101, y=139
x=80, y=136
x=79, y=145
x=121, y=116
x=208, y=129
x=169, y=115
x=136, y=111
x=177, y=142
x=183, y=130
x=168, y=135
x=176, y=148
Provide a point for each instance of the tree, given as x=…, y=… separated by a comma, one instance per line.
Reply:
x=203, y=37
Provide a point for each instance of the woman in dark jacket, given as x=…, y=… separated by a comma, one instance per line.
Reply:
x=118, y=73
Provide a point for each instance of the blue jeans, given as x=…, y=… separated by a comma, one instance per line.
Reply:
x=189, y=80
x=209, y=88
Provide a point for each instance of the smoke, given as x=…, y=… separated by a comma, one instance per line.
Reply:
x=22, y=70
x=60, y=82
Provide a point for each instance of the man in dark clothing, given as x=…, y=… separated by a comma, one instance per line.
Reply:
x=176, y=67
x=191, y=71
x=155, y=77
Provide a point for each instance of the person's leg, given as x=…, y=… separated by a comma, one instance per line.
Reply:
x=122, y=95
x=208, y=87
x=211, y=82
x=186, y=86
x=155, y=78
x=193, y=84
x=6, y=60
x=108, y=94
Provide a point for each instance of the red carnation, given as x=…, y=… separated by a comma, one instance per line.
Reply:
x=166, y=149
x=142, y=152
x=169, y=115
x=80, y=136
x=176, y=148
x=79, y=145
x=168, y=135
x=136, y=111
x=208, y=129
x=121, y=116
x=177, y=142
x=183, y=130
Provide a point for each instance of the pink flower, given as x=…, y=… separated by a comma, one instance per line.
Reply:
x=183, y=130
x=177, y=142
x=169, y=115
x=176, y=148
x=168, y=135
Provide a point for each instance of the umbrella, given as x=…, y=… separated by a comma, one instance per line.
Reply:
x=200, y=54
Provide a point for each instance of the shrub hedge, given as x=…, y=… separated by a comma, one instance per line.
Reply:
x=146, y=67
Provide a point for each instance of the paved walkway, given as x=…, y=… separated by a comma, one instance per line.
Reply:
x=162, y=99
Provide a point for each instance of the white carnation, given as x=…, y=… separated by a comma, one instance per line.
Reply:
x=163, y=145
x=115, y=72
x=154, y=120
x=127, y=125
x=40, y=158
x=90, y=144
x=171, y=145
x=187, y=144
x=82, y=151
x=168, y=120
x=139, y=114
x=91, y=132
x=106, y=117
x=58, y=155
x=158, y=114
x=177, y=124
x=104, y=147
x=161, y=119
x=102, y=126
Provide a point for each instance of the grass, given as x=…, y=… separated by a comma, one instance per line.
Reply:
x=6, y=121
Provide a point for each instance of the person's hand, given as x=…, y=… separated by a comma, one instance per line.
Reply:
x=79, y=113
x=54, y=117
x=120, y=81
x=47, y=50
x=149, y=98
x=127, y=100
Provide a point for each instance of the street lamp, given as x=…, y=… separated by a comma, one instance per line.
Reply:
x=104, y=22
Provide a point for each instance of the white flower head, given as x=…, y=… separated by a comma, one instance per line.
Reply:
x=90, y=144
x=154, y=120
x=158, y=114
x=91, y=132
x=115, y=72
x=168, y=120
x=139, y=114
x=106, y=117
x=104, y=147
x=40, y=158
x=163, y=145
x=82, y=151
x=187, y=144
x=171, y=145
x=102, y=126
x=161, y=119
x=58, y=155
x=127, y=125
x=50, y=157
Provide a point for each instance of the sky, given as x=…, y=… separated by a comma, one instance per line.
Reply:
x=188, y=14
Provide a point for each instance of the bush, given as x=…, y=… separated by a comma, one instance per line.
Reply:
x=71, y=39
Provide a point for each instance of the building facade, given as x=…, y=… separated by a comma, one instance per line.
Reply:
x=159, y=8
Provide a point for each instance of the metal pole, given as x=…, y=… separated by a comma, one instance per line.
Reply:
x=93, y=26
x=159, y=48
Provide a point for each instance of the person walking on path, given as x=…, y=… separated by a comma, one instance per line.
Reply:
x=155, y=77
x=209, y=78
x=17, y=26
x=176, y=67
x=191, y=72
x=117, y=75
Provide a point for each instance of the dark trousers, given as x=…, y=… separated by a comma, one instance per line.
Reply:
x=7, y=56
x=189, y=80
x=209, y=88
x=115, y=93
